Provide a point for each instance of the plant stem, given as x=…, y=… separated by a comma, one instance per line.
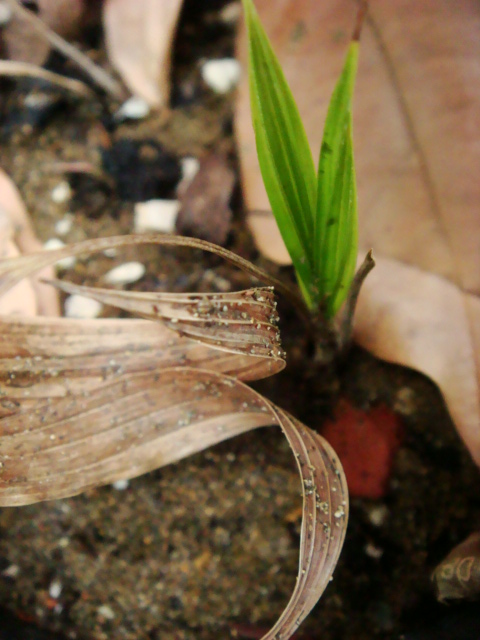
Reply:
x=346, y=325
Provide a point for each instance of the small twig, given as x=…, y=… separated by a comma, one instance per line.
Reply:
x=362, y=10
x=346, y=325
x=15, y=69
x=96, y=73
x=84, y=169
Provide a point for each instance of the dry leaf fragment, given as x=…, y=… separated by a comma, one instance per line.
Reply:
x=458, y=575
x=416, y=131
x=139, y=37
x=229, y=321
x=204, y=206
x=88, y=403
x=17, y=236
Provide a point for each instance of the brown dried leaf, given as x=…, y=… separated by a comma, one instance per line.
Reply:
x=139, y=37
x=87, y=403
x=240, y=322
x=205, y=205
x=416, y=131
x=12, y=271
x=138, y=422
x=458, y=575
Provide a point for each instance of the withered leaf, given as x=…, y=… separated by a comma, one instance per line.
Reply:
x=458, y=575
x=86, y=403
x=205, y=204
x=243, y=321
x=139, y=37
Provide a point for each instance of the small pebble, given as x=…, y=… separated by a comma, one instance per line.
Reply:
x=106, y=612
x=12, y=571
x=377, y=515
x=63, y=226
x=405, y=401
x=231, y=13
x=156, y=215
x=37, y=101
x=135, y=108
x=56, y=243
x=190, y=167
x=5, y=13
x=77, y=306
x=372, y=551
x=61, y=193
x=221, y=75
x=55, y=589
x=216, y=282
x=125, y=273
x=121, y=485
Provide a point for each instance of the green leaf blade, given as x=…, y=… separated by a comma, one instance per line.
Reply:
x=340, y=267
x=335, y=223
x=284, y=154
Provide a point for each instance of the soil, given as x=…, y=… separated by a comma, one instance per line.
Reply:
x=208, y=547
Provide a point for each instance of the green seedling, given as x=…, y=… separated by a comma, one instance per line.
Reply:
x=316, y=210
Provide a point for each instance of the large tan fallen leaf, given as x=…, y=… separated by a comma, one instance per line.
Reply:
x=417, y=150
x=29, y=297
x=87, y=403
x=139, y=37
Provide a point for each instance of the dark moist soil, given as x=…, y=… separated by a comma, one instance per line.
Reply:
x=208, y=547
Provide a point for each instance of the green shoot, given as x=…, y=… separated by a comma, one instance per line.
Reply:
x=316, y=214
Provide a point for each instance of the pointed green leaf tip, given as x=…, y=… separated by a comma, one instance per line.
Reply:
x=317, y=216
x=335, y=243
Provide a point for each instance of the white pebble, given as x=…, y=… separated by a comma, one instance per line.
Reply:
x=61, y=193
x=135, y=108
x=55, y=589
x=221, y=75
x=121, y=485
x=5, y=13
x=37, y=100
x=372, y=551
x=63, y=226
x=77, y=306
x=125, y=273
x=53, y=243
x=190, y=167
x=377, y=515
x=156, y=215
x=231, y=13
x=56, y=243
x=12, y=571
x=106, y=612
